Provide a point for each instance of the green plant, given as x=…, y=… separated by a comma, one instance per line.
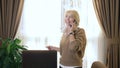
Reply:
x=11, y=53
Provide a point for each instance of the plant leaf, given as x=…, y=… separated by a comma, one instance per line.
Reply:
x=17, y=41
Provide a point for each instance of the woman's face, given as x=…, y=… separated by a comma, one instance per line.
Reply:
x=69, y=20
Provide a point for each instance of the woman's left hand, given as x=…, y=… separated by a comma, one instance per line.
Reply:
x=72, y=27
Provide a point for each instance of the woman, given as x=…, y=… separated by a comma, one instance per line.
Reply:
x=73, y=42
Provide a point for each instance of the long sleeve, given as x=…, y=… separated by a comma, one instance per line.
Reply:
x=79, y=43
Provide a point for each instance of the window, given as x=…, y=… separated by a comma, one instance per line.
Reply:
x=41, y=23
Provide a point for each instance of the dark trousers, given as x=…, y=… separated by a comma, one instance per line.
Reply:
x=75, y=67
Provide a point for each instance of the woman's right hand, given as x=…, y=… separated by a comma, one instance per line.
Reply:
x=48, y=47
x=52, y=48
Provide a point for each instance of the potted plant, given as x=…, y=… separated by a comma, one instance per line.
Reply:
x=10, y=53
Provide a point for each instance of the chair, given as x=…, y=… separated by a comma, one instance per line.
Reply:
x=39, y=59
x=98, y=64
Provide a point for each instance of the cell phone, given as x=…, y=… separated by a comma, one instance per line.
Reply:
x=70, y=25
x=74, y=21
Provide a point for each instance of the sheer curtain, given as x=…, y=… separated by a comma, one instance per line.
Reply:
x=40, y=24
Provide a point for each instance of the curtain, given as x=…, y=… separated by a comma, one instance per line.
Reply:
x=10, y=13
x=108, y=14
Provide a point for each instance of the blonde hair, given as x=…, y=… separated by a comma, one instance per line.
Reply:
x=75, y=15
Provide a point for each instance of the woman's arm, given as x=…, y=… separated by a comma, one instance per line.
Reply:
x=79, y=41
